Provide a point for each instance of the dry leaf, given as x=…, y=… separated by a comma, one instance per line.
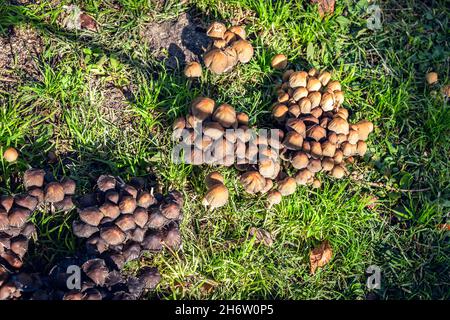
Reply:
x=325, y=6
x=444, y=226
x=320, y=256
x=88, y=23
x=261, y=236
x=208, y=286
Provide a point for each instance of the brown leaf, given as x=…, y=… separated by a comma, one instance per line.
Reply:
x=261, y=236
x=325, y=6
x=87, y=22
x=208, y=286
x=444, y=226
x=320, y=256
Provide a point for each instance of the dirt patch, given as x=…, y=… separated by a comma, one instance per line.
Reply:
x=18, y=51
x=176, y=41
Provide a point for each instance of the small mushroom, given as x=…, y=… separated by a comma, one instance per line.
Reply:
x=127, y=204
x=253, y=182
x=19, y=245
x=216, y=197
x=361, y=148
x=328, y=149
x=279, y=112
x=313, y=84
x=216, y=30
x=83, y=230
x=193, y=70
x=33, y=178
x=171, y=210
x=364, y=128
x=316, y=132
x=213, y=130
x=214, y=178
x=110, y=210
x=112, y=235
x=10, y=154
x=140, y=216
x=298, y=79
x=106, y=182
x=216, y=61
x=145, y=199
x=431, y=77
x=327, y=102
x=315, y=165
x=96, y=270
x=172, y=238
x=303, y=177
x=69, y=186
x=225, y=115
x=300, y=160
x=274, y=197
x=126, y=222
x=153, y=242
x=339, y=125
x=324, y=77
x=279, y=62
x=293, y=141
x=333, y=86
x=287, y=186
x=327, y=164
x=239, y=31
x=316, y=184
x=18, y=216
x=91, y=216
x=65, y=205
x=156, y=220
x=26, y=201
x=338, y=172
x=244, y=50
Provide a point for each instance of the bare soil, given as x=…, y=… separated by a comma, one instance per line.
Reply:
x=177, y=41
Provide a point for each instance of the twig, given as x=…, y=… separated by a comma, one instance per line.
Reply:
x=8, y=80
x=381, y=185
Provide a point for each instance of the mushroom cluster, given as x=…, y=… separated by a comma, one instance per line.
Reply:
x=48, y=190
x=100, y=280
x=317, y=134
x=121, y=221
x=212, y=134
x=229, y=47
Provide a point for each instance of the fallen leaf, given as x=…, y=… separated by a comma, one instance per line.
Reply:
x=325, y=6
x=88, y=23
x=208, y=286
x=261, y=236
x=444, y=226
x=320, y=256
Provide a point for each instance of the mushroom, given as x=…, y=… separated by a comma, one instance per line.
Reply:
x=193, y=70
x=293, y=140
x=297, y=125
x=83, y=230
x=225, y=115
x=145, y=199
x=140, y=217
x=253, y=182
x=364, y=128
x=105, y=183
x=216, y=197
x=213, y=130
x=171, y=210
x=324, y=77
x=216, y=30
x=243, y=49
x=298, y=79
x=202, y=107
x=274, y=197
x=26, y=201
x=6, y=202
x=10, y=154
x=214, y=178
x=18, y=216
x=303, y=177
x=327, y=164
x=313, y=84
x=287, y=186
x=68, y=185
x=96, y=270
x=127, y=204
x=33, y=178
x=172, y=238
x=339, y=125
x=316, y=183
x=338, y=172
x=239, y=31
x=267, y=168
x=316, y=132
x=333, y=86
x=279, y=62
x=431, y=77
x=110, y=210
x=300, y=160
x=315, y=165
x=361, y=148
x=279, y=112
x=112, y=235
x=216, y=61
x=91, y=216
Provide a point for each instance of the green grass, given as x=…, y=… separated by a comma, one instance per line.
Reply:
x=383, y=75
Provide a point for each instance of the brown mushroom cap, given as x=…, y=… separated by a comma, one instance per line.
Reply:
x=65, y=205
x=279, y=62
x=327, y=102
x=171, y=210
x=202, y=107
x=18, y=217
x=274, y=197
x=324, y=77
x=364, y=128
x=69, y=186
x=10, y=154
x=140, y=216
x=316, y=183
x=26, y=201
x=83, y=230
x=242, y=118
x=53, y=192
x=216, y=30
x=297, y=125
x=34, y=178
x=153, y=242
x=112, y=235
x=348, y=149
x=338, y=156
x=96, y=270
x=361, y=148
x=216, y=197
x=339, y=125
x=244, y=50
x=315, y=149
x=91, y=216
x=145, y=199
x=279, y=112
x=216, y=61
x=253, y=181
x=6, y=202
x=287, y=186
x=327, y=163
x=127, y=204
x=315, y=165
x=112, y=196
x=328, y=149
x=156, y=220
x=214, y=178
x=239, y=31
x=232, y=58
x=225, y=115
x=338, y=172
x=4, y=221
x=313, y=84
x=126, y=222
x=431, y=77
x=110, y=210
x=298, y=79
x=334, y=86
x=300, y=160
x=106, y=182
x=303, y=177
x=172, y=238
x=193, y=70
x=316, y=132
x=293, y=140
